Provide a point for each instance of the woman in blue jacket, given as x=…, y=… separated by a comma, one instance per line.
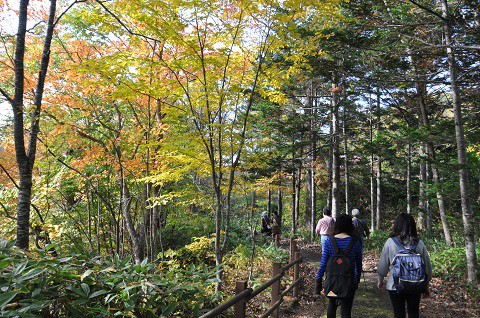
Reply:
x=344, y=231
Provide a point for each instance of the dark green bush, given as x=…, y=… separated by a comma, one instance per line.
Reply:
x=38, y=285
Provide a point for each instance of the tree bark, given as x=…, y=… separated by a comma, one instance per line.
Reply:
x=336, y=151
x=26, y=158
x=422, y=209
x=379, y=167
x=280, y=202
x=373, y=208
x=409, y=177
x=313, y=190
x=346, y=164
x=467, y=214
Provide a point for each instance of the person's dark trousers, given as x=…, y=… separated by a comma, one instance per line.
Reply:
x=345, y=307
x=398, y=304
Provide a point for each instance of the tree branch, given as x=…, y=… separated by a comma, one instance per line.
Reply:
x=428, y=10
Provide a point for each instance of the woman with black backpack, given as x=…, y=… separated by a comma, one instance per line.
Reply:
x=342, y=263
x=405, y=257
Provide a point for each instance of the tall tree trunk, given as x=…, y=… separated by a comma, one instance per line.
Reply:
x=314, y=207
x=313, y=190
x=137, y=237
x=379, y=193
x=294, y=203
x=26, y=158
x=269, y=201
x=329, y=162
x=297, y=194
x=421, y=92
x=308, y=193
x=280, y=202
x=422, y=194
x=467, y=215
x=336, y=150
x=309, y=112
x=346, y=165
x=379, y=167
x=428, y=205
x=409, y=177
x=218, y=238
x=372, y=173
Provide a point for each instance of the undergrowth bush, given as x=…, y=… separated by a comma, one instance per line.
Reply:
x=35, y=284
x=200, y=251
x=377, y=240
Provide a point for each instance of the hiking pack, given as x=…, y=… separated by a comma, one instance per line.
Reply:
x=359, y=227
x=408, y=270
x=340, y=272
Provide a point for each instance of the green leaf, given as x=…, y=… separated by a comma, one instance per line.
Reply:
x=29, y=275
x=36, y=306
x=17, y=270
x=65, y=259
x=36, y=292
x=169, y=310
x=99, y=293
x=4, y=263
x=5, y=298
x=86, y=274
x=86, y=288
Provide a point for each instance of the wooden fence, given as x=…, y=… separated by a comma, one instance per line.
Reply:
x=244, y=294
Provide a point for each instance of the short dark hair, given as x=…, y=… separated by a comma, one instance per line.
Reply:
x=327, y=212
x=404, y=227
x=344, y=224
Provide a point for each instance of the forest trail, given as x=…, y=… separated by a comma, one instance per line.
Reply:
x=369, y=301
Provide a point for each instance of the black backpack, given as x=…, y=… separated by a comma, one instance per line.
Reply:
x=340, y=273
x=408, y=270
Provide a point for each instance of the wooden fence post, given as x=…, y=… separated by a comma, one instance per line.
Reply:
x=292, y=244
x=296, y=274
x=277, y=240
x=241, y=306
x=293, y=250
x=275, y=287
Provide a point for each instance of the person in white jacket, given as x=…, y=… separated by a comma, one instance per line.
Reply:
x=405, y=230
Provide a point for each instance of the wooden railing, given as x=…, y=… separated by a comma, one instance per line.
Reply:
x=244, y=294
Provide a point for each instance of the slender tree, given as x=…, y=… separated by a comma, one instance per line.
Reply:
x=26, y=149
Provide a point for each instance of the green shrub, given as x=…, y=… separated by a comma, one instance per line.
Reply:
x=200, y=251
x=377, y=240
x=36, y=284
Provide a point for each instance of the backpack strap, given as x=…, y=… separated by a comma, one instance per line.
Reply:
x=401, y=246
x=334, y=243
x=346, y=250
x=349, y=246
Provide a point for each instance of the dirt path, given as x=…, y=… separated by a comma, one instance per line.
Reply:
x=369, y=301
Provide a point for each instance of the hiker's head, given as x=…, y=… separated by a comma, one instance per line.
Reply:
x=356, y=213
x=404, y=227
x=344, y=224
x=327, y=212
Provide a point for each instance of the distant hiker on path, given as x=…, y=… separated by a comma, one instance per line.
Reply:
x=414, y=253
x=266, y=227
x=360, y=225
x=325, y=226
x=342, y=263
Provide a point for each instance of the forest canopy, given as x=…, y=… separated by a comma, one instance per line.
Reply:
x=137, y=127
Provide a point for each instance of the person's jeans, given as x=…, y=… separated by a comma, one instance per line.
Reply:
x=323, y=239
x=345, y=307
x=398, y=304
